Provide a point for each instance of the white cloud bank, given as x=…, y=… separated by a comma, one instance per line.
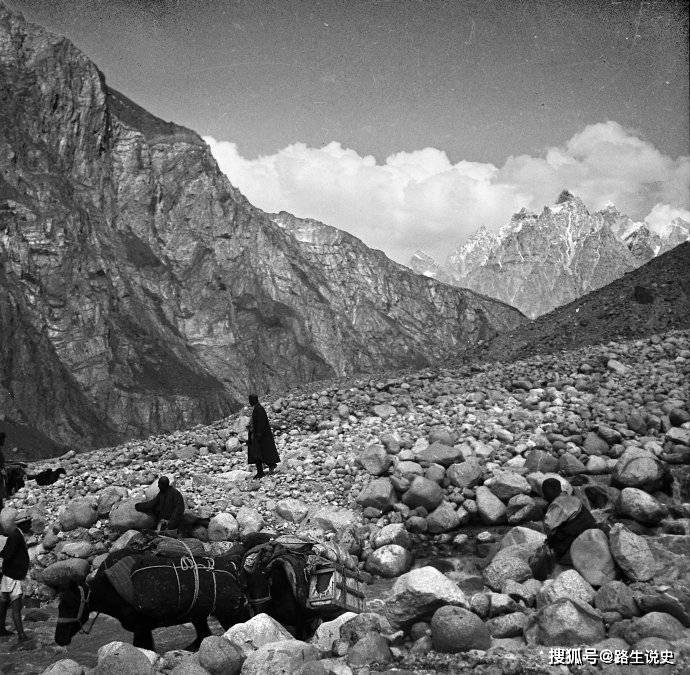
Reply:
x=421, y=200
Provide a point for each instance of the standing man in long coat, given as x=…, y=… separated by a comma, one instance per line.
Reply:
x=262, y=446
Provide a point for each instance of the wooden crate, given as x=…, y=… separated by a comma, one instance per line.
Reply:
x=334, y=589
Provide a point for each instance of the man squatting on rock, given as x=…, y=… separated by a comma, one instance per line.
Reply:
x=15, y=567
x=261, y=444
x=167, y=507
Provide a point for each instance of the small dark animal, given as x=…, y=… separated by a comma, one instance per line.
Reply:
x=48, y=476
x=171, y=597
x=15, y=475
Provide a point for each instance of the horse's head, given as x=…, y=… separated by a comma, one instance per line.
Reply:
x=73, y=611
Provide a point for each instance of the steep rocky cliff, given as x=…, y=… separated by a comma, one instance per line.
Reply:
x=542, y=261
x=140, y=291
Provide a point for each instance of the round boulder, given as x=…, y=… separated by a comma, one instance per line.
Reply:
x=116, y=658
x=219, y=656
x=62, y=572
x=123, y=516
x=641, y=506
x=592, y=558
x=78, y=513
x=223, y=527
x=423, y=492
x=454, y=629
x=389, y=561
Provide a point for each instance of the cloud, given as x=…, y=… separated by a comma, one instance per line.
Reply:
x=421, y=199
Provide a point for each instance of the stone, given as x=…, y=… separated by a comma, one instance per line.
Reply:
x=223, y=527
x=418, y=593
x=491, y=509
x=372, y=648
x=595, y=445
x=465, y=474
x=219, y=656
x=78, y=513
x=507, y=484
x=332, y=519
x=363, y=624
x=654, y=624
x=538, y=460
x=249, y=521
x=445, y=518
x=678, y=435
x=438, y=453
x=423, y=492
x=107, y=498
x=395, y=533
x=127, y=539
x=569, y=622
x=378, y=494
x=508, y=564
x=292, y=510
x=116, y=658
x=616, y=596
x=123, y=516
x=507, y=625
x=389, y=561
x=525, y=537
x=280, y=658
x=258, y=631
x=189, y=665
x=375, y=460
x=592, y=558
x=569, y=465
x=638, y=468
x=62, y=572
x=631, y=553
x=75, y=549
x=64, y=667
x=329, y=631
x=568, y=584
x=522, y=508
x=454, y=629
x=384, y=411
x=641, y=506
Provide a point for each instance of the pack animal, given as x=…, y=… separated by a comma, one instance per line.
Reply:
x=165, y=592
x=48, y=476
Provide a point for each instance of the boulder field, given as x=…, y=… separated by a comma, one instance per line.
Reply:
x=431, y=481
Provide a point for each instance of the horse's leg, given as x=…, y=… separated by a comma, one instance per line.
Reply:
x=202, y=631
x=143, y=637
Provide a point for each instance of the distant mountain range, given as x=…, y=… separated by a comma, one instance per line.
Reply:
x=542, y=261
x=141, y=292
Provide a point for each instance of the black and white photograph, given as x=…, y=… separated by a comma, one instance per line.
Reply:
x=343, y=337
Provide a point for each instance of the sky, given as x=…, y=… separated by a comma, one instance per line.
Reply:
x=411, y=122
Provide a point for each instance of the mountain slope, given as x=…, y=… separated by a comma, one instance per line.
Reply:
x=541, y=261
x=651, y=299
x=156, y=294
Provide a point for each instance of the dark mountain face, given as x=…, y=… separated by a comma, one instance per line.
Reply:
x=141, y=292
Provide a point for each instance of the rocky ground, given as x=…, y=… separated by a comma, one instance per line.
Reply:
x=432, y=482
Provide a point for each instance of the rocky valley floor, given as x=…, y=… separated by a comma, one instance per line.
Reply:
x=431, y=482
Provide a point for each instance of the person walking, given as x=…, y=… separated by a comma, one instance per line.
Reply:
x=261, y=444
x=15, y=567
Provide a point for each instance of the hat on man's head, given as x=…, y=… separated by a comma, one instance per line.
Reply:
x=551, y=488
x=253, y=399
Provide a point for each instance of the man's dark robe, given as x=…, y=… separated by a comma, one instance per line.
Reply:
x=566, y=519
x=168, y=505
x=262, y=446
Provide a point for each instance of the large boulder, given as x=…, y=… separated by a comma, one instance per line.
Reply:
x=249, y=521
x=223, y=527
x=638, y=468
x=64, y=667
x=525, y=537
x=395, y=533
x=465, y=474
x=292, y=510
x=569, y=622
x=423, y=492
x=417, y=594
x=280, y=658
x=509, y=564
x=78, y=513
x=632, y=554
x=62, y=572
x=116, y=658
x=538, y=460
x=641, y=506
x=369, y=649
x=107, y=498
x=123, y=516
x=219, y=656
x=654, y=624
x=378, y=494
x=454, y=629
x=258, y=631
x=507, y=484
x=375, y=460
x=568, y=584
x=389, y=561
x=592, y=558
x=329, y=631
x=331, y=519
x=445, y=517
x=491, y=509
x=438, y=453
x=616, y=596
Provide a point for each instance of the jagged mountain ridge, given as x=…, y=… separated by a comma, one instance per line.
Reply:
x=150, y=292
x=541, y=261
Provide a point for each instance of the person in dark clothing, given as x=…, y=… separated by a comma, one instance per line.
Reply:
x=3, y=471
x=262, y=447
x=15, y=567
x=167, y=507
